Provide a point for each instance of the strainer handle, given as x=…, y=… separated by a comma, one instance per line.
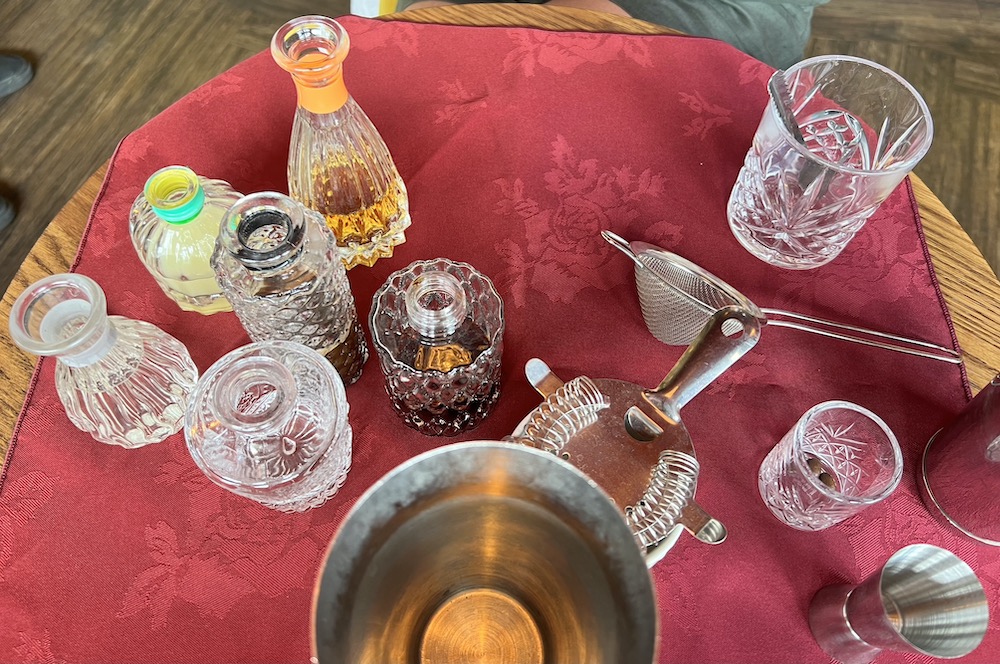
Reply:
x=726, y=337
x=861, y=335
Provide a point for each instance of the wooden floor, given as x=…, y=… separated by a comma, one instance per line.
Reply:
x=104, y=67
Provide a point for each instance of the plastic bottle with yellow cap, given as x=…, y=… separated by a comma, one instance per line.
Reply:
x=338, y=164
x=174, y=224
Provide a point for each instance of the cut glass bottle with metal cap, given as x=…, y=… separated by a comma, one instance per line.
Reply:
x=125, y=382
x=438, y=329
x=338, y=163
x=278, y=264
x=268, y=421
x=174, y=223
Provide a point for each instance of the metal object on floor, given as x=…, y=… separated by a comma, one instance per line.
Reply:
x=7, y=213
x=15, y=73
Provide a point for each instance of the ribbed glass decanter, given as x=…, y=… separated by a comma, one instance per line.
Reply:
x=174, y=224
x=438, y=329
x=278, y=264
x=125, y=382
x=338, y=163
x=268, y=421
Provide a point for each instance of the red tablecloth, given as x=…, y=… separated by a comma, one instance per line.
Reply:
x=518, y=147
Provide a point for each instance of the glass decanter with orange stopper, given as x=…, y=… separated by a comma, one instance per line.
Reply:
x=338, y=163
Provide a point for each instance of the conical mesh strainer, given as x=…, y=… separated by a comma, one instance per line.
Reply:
x=678, y=297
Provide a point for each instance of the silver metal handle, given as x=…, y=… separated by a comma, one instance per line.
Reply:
x=862, y=336
x=728, y=335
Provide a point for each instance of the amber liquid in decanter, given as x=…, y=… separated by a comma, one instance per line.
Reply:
x=460, y=350
x=338, y=163
x=353, y=219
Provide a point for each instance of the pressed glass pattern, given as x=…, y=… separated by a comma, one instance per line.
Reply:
x=338, y=163
x=125, y=382
x=278, y=264
x=836, y=138
x=438, y=329
x=174, y=224
x=268, y=421
x=838, y=459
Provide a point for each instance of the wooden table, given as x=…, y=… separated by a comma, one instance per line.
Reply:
x=970, y=287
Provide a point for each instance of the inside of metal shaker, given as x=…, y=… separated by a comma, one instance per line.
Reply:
x=489, y=576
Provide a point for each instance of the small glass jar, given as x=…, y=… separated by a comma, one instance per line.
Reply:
x=278, y=264
x=125, y=382
x=438, y=329
x=268, y=421
x=174, y=224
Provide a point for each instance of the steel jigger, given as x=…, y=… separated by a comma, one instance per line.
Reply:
x=924, y=600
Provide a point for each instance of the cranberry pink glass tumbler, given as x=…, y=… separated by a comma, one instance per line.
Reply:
x=338, y=163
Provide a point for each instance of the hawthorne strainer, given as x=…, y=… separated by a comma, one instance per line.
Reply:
x=632, y=442
x=575, y=406
x=677, y=297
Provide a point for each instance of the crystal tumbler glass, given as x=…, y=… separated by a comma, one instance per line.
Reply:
x=438, y=328
x=125, y=382
x=268, y=421
x=814, y=175
x=837, y=460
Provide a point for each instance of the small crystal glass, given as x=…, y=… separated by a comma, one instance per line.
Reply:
x=125, y=382
x=798, y=202
x=438, y=328
x=268, y=421
x=837, y=460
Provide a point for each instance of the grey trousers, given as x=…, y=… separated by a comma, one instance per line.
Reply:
x=773, y=31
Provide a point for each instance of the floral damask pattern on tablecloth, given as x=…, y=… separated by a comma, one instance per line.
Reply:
x=22, y=499
x=563, y=54
x=562, y=251
x=517, y=148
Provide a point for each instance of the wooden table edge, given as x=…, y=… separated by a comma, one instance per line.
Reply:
x=965, y=276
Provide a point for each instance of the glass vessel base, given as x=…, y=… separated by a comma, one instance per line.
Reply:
x=380, y=246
